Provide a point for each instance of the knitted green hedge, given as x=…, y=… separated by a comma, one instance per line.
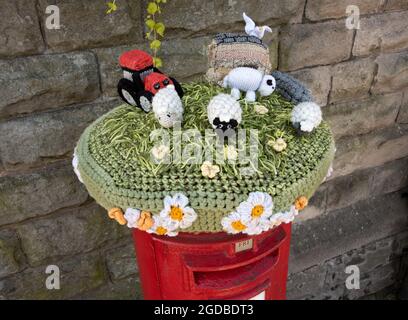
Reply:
x=116, y=167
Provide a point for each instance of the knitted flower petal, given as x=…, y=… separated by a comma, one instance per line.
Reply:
x=132, y=216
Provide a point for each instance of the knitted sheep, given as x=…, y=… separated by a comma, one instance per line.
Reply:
x=249, y=80
x=306, y=116
x=167, y=107
x=224, y=112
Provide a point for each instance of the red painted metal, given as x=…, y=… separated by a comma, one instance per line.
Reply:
x=209, y=266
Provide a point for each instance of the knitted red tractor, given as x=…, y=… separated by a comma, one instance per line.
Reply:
x=141, y=81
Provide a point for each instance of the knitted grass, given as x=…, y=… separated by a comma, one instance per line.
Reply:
x=129, y=132
x=116, y=167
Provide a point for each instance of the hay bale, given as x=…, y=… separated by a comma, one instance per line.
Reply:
x=231, y=50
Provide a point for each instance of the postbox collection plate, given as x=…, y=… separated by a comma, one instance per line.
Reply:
x=244, y=245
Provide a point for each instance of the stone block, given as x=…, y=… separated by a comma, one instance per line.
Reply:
x=203, y=17
x=342, y=230
x=318, y=80
x=370, y=150
x=46, y=136
x=85, y=24
x=396, y=5
x=306, y=284
x=304, y=45
x=78, y=274
x=29, y=195
x=386, y=33
x=403, y=113
x=48, y=81
x=121, y=262
x=126, y=289
x=362, y=116
x=329, y=9
x=11, y=256
x=392, y=73
x=20, y=32
x=352, y=79
x=71, y=232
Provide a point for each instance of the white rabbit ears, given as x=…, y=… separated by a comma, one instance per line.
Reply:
x=252, y=30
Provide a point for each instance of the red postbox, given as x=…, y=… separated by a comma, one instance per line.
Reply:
x=214, y=265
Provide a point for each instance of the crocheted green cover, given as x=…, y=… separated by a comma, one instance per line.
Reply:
x=115, y=166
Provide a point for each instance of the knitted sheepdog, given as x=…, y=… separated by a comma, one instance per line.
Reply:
x=249, y=80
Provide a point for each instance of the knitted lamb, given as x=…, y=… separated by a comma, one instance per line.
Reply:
x=249, y=80
x=224, y=112
x=167, y=107
x=306, y=116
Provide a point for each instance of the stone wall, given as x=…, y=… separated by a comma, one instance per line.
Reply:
x=54, y=83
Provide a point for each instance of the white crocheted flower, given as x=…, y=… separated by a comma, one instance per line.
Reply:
x=283, y=217
x=209, y=170
x=75, y=163
x=163, y=227
x=306, y=116
x=259, y=205
x=160, y=152
x=132, y=216
x=235, y=223
x=177, y=212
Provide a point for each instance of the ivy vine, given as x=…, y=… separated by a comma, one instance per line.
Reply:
x=155, y=27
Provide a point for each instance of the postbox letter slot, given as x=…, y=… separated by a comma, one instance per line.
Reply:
x=234, y=277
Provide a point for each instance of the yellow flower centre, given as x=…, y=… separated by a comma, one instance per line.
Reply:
x=161, y=231
x=238, y=225
x=176, y=213
x=257, y=211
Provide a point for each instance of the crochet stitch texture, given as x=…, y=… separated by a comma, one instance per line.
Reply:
x=115, y=182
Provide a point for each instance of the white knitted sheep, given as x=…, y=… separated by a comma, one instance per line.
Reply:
x=167, y=107
x=249, y=80
x=306, y=116
x=224, y=112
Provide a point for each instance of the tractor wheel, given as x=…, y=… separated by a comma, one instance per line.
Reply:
x=144, y=101
x=128, y=92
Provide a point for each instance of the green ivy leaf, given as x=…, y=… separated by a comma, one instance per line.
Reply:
x=112, y=7
x=152, y=8
x=160, y=28
x=150, y=24
x=155, y=44
x=157, y=62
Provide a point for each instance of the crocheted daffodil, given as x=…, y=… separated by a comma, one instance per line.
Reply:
x=163, y=227
x=177, y=213
x=117, y=214
x=301, y=203
x=209, y=170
